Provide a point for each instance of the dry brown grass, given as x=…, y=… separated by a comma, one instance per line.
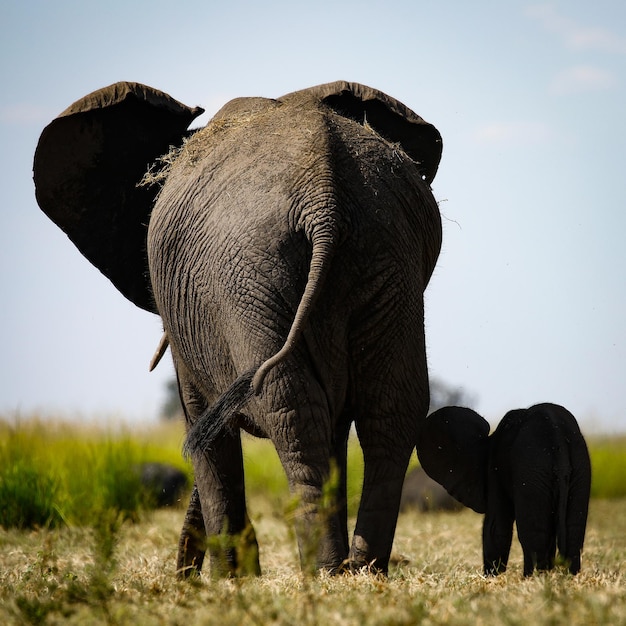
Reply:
x=59, y=577
x=195, y=147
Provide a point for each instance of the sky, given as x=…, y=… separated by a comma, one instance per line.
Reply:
x=528, y=300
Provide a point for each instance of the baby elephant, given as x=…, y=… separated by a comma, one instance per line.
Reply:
x=534, y=470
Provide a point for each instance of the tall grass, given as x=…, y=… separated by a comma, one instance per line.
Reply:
x=608, y=467
x=29, y=491
x=54, y=472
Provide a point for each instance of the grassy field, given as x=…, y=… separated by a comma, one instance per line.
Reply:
x=118, y=568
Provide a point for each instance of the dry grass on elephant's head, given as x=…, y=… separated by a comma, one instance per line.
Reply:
x=197, y=145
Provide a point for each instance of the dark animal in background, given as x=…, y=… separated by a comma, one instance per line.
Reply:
x=287, y=253
x=164, y=484
x=423, y=493
x=534, y=470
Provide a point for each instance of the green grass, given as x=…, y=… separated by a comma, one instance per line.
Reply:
x=57, y=473
x=608, y=467
x=53, y=472
x=78, y=546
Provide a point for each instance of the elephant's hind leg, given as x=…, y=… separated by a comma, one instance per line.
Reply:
x=391, y=397
x=192, y=543
x=577, y=508
x=217, y=518
x=230, y=537
x=536, y=529
x=297, y=418
x=383, y=477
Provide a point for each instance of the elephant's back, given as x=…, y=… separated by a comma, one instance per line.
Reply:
x=230, y=235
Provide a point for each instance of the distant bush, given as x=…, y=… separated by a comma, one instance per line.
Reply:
x=100, y=476
x=608, y=467
x=29, y=492
x=53, y=473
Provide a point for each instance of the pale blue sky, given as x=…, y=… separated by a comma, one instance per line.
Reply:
x=528, y=302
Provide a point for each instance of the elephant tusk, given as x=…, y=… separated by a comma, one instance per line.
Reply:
x=160, y=351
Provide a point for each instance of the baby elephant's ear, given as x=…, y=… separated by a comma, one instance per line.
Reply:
x=389, y=118
x=453, y=450
x=87, y=166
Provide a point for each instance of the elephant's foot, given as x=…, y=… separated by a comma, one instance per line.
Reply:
x=494, y=568
x=248, y=553
x=319, y=554
x=190, y=554
x=230, y=555
x=234, y=555
x=573, y=564
x=192, y=542
x=188, y=566
x=361, y=558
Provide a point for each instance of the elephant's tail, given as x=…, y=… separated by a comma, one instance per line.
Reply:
x=564, y=477
x=323, y=241
x=215, y=420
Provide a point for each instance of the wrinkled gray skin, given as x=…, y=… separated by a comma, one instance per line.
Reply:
x=534, y=470
x=288, y=251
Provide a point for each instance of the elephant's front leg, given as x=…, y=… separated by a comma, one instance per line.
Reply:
x=230, y=537
x=497, y=532
x=192, y=543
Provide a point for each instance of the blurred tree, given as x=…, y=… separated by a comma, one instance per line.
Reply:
x=171, y=407
x=441, y=394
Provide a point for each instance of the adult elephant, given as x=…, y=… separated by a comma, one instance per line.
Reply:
x=287, y=253
x=534, y=470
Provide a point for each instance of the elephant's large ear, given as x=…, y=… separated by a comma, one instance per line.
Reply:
x=453, y=450
x=389, y=118
x=87, y=165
